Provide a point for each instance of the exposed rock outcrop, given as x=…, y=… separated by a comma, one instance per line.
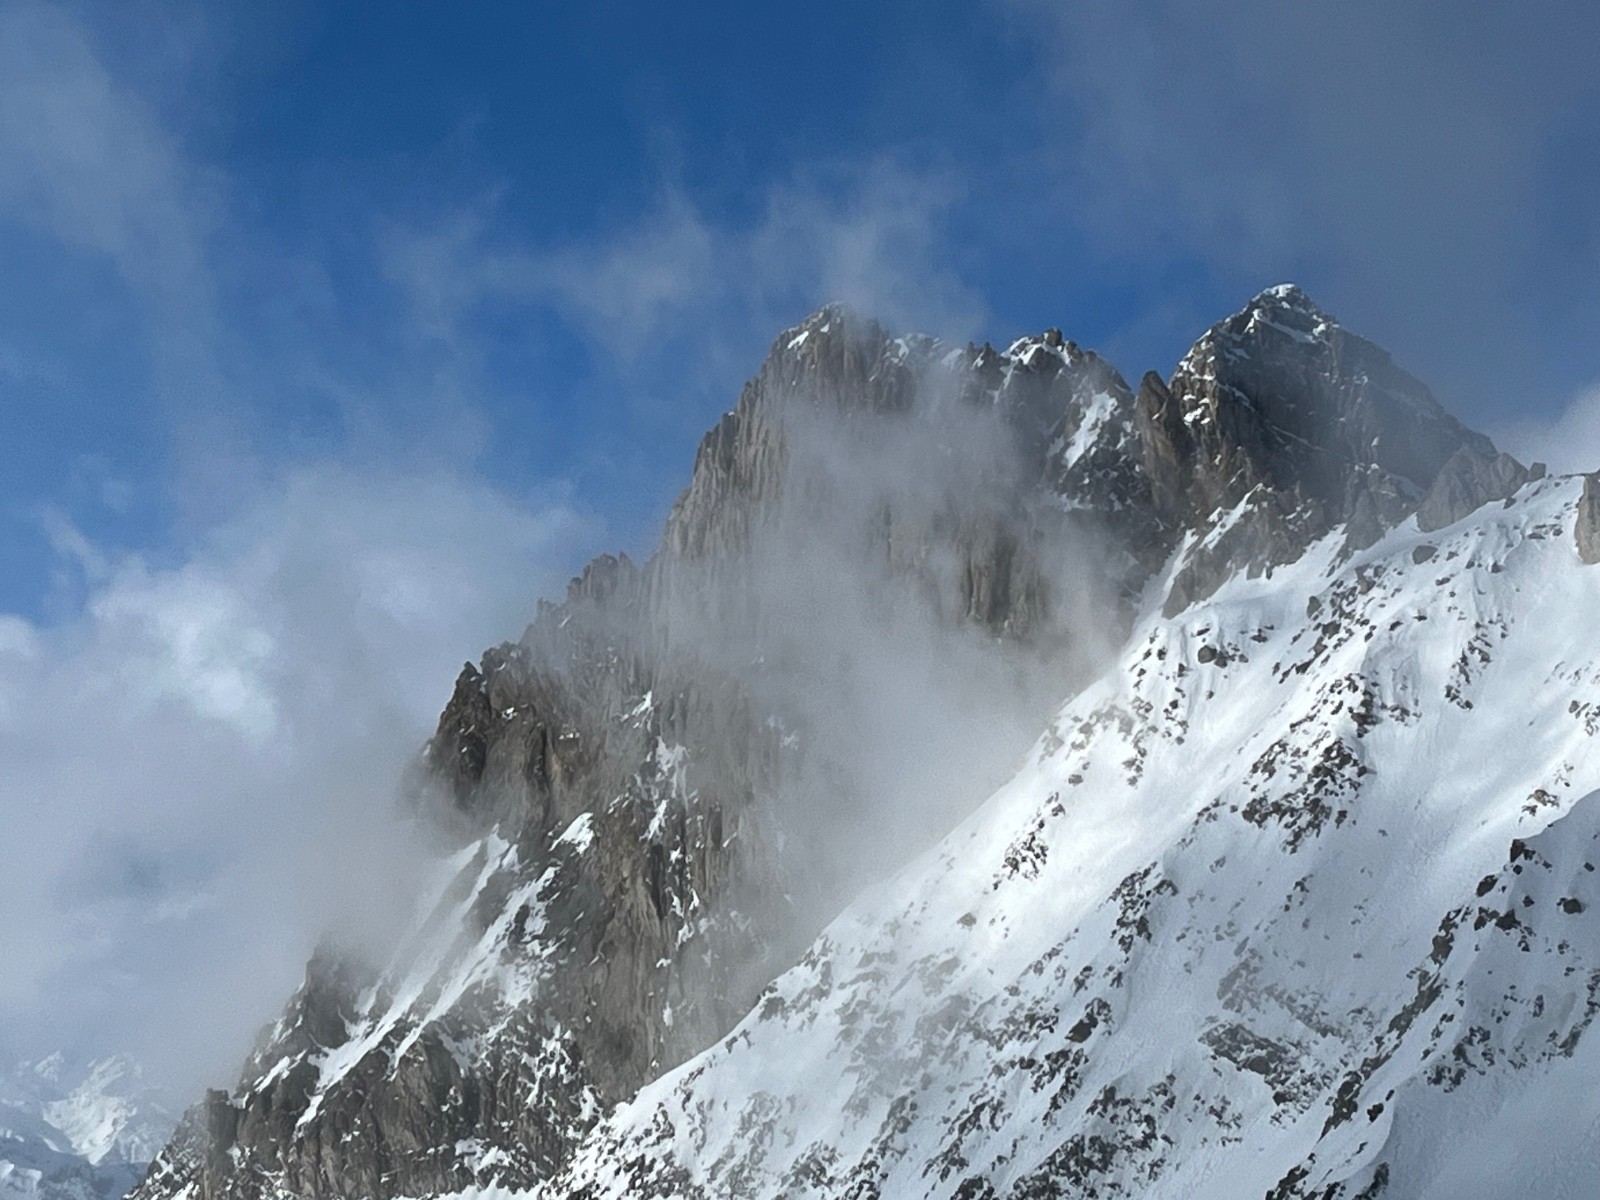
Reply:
x=951, y=465
x=1279, y=425
x=614, y=777
x=1587, y=530
x=1300, y=902
x=1467, y=482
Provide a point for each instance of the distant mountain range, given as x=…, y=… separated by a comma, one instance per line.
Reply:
x=77, y=1130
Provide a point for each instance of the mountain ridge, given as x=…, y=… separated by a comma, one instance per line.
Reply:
x=1259, y=744
x=654, y=789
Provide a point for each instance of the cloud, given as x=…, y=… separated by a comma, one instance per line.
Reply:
x=201, y=770
x=1568, y=442
x=116, y=224
x=199, y=761
x=677, y=295
x=89, y=164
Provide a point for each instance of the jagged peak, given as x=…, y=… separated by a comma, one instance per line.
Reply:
x=835, y=318
x=1290, y=296
x=1281, y=312
x=839, y=319
x=1029, y=348
x=833, y=310
x=598, y=739
x=1285, y=309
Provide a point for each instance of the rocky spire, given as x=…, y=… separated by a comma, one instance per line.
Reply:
x=1587, y=530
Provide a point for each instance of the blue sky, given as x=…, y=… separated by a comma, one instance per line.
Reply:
x=347, y=230
x=333, y=334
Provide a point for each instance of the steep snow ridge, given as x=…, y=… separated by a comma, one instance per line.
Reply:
x=1248, y=920
x=1162, y=959
x=443, y=960
x=1097, y=412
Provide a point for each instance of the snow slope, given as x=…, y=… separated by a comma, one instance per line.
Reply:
x=1299, y=899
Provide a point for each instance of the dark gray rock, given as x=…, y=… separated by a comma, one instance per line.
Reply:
x=1467, y=482
x=1587, y=530
x=641, y=955
x=1280, y=426
x=939, y=474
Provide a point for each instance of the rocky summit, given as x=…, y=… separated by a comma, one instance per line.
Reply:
x=1001, y=781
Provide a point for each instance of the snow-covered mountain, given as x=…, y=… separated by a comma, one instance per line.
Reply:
x=1299, y=899
x=74, y=1130
x=1290, y=898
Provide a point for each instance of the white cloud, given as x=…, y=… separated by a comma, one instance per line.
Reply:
x=199, y=772
x=1568, y=443
x=198, y=767
x=88, y=163
x=678, y=293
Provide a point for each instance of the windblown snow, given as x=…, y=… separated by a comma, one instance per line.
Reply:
x=1296, y=899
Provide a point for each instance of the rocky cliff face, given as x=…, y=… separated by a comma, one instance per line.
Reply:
x=953, y=467
x=1587, y=529
x=1280, y=425
x=660, y=791
x=586, y=935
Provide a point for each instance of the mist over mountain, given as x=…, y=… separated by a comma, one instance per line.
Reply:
x=578, y=616
x=1002, y=780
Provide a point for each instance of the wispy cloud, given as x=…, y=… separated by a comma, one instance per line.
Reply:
x=199, y=758
x=1567, y=442
x=89, y=164
x=200, y=772
x=677, y=293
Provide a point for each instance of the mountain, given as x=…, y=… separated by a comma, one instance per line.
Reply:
x=1299, y=899
x=1322, y=682
x=77, y=1131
